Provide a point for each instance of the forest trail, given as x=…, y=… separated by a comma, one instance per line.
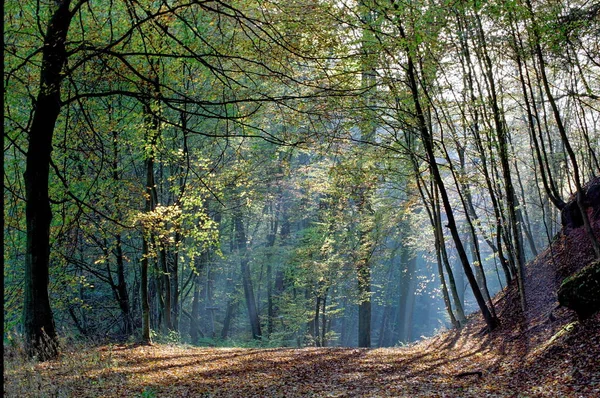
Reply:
x=545, y=352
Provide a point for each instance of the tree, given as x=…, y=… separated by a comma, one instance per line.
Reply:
x=427, y=141
x=40, y=333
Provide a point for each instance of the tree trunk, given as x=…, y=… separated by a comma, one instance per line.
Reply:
x=229, y=311
x=364, y=308
x=439, y=241
x=122, y=290
x=144, y=294
x=268, y=258
x=324, y=319
x=150, y=203
x=38, y=321
x=385, y=328
x=166, y=287
x=408, y=263
x=195, y=315
x=246, y=277
x=315, y=322
x=476, y=133
x=173, y=262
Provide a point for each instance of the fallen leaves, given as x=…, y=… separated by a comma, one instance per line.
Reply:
x=427, y=369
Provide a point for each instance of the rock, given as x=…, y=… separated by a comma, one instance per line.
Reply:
x=571, y=215
x=581, y=291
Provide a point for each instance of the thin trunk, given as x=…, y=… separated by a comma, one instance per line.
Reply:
x=455, y=323
x=270, y=246
x=468, y=72
x=580, y=194
x=440, y=250
x=464, y=192
x=324, y=320
x=166, y=289
x=150, y=204
x=175, y=293
x=364, y=308
x=315, y=322
x=122, y=289
x=408, y=263
x=384, y=325
x=229, y=311
x=409, y=310
x=427, y=140
x=530, y=107
x=367, y=130
x=431, y=200
x=151, y=201
x=122, y=294
x=511, y=200
x=246, y=277
x=174, y=270
x=144, y=293
x=524, y=215
x=195, y=332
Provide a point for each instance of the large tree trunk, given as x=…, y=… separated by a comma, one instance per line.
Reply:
x=38, y=321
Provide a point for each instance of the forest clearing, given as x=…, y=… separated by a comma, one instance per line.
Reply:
x=301, y=198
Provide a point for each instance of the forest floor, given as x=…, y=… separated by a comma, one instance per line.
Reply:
x=544, y=352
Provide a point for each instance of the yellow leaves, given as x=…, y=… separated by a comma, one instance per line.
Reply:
x=163, y=222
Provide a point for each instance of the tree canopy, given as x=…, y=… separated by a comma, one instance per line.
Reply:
x=293, y=173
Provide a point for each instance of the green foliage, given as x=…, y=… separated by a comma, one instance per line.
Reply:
x=172, y=337
x=148, y=393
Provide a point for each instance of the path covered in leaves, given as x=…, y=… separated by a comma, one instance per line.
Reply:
x=452, y=365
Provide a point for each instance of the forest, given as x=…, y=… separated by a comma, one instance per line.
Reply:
x=301, y=173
